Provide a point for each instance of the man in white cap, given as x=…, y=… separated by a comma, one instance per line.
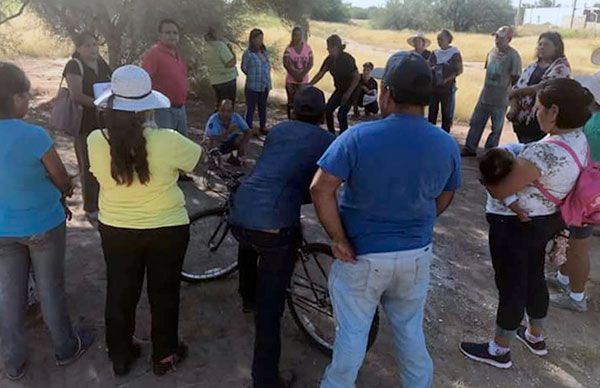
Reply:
x=503, y=68
x=382, y=238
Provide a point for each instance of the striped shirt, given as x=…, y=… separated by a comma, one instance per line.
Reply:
x=257, y=68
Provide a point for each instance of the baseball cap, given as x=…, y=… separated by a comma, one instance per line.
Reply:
x=408, y=77
x=504, y=32
x=309, y=101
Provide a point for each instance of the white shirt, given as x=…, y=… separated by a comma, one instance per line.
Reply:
x=559, y=173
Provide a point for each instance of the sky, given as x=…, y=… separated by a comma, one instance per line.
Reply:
x=368, y=3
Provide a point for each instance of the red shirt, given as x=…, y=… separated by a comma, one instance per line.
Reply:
x=168, y=72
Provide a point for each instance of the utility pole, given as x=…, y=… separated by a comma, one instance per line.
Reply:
x=518, y=16
x=573, y=14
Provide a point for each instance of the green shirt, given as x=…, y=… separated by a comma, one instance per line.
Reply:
x=592, y=132
x=216, y=56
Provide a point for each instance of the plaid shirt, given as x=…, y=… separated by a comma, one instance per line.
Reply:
x=258, y=71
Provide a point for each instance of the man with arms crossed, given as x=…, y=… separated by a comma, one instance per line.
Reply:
x=399, y=174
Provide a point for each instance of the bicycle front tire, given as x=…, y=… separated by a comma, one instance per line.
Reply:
x=212, y=250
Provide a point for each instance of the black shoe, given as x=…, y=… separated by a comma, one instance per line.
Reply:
x=121, y=368
x=468, y=154
x=479, y=352
x=537, y=348
x=162, y=368
x=18, y=374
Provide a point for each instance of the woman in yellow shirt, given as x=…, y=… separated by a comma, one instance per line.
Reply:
x=143, y=222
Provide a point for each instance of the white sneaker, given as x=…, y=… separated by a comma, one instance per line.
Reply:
x=564, y=301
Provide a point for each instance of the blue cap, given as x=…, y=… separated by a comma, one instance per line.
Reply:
x=407, y=75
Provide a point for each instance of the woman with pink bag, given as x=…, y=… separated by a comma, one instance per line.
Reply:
x=518, y=249
x=85, y=69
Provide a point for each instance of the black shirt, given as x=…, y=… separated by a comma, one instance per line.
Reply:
x=89, y=120
x=342, y=69
x=537, y=75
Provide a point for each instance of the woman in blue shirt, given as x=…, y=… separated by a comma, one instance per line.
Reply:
x=32, y=229
x=256, y=66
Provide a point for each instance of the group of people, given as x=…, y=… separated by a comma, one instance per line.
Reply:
x=132, y=149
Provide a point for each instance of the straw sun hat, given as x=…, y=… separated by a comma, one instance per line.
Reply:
x=131, y=87
x=418, y=35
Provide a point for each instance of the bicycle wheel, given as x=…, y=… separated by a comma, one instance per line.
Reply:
x=309, y=301
x=212, y=251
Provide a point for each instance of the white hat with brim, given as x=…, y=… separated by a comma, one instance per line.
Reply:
x=591, y=83
x=596, y=56
x=419, y=35
x=131, y=87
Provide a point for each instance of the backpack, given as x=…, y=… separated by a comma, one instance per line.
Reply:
x=582, y=205
x=66, y=113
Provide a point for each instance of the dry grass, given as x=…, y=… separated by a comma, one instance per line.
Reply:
x=28, y=36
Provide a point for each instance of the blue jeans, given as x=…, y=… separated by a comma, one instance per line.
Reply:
x=172, y=118
x=397, y=280
x=45, y=253
x=252, y=100
x=481, y=115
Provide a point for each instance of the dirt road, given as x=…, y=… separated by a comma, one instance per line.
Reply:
x=461, y=305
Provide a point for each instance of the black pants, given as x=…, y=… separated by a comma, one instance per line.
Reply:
x=518, y=255
x=333, y=103
x=225, y=91
x=266, y=262
x=528, y=133
x=130, y=253
x=445, y=101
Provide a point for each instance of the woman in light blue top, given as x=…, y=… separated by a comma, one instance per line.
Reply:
x=32, y=229
x=257, y=67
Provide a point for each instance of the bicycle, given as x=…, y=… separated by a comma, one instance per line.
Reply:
x=212, y=254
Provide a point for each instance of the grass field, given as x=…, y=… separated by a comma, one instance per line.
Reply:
x=27, y=36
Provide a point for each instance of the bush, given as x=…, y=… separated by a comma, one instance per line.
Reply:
x=331, y=11
x=363, y=13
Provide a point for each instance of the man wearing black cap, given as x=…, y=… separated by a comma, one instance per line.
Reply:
x=265, y=218
x=399, y=174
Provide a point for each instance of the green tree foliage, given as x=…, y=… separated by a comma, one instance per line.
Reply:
x=331, y=11
x=458, y=15
x=364, y=13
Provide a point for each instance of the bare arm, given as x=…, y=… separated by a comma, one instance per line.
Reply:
x=233, y=60
x=523, y=174
x=318, y=77
x=297, y=75
x=324, y=195
x=57, y=172
x=444, y=201
x=528, y=91
x=311, y=64
x=75, y=84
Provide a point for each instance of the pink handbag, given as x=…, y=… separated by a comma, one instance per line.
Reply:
x=66, y=113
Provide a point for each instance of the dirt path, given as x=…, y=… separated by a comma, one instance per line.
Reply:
x=461, y=305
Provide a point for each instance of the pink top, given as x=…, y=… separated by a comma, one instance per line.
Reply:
x=299, y=60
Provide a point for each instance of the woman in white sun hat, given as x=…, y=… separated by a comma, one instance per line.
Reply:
x=572, y=276
x=143, y=222
x=420, y=43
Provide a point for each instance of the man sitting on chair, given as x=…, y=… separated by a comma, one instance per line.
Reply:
x=228, y=131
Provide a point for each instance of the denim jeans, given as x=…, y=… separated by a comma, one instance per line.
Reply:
x=333, y=103
x=252, y=100
x=45, y=253
x=172, y=118
x=266, y=262
x=90, y=188
x=518, y=251
x=397, y=280
x=479, y=119
x=130, y=254
x=447, y=102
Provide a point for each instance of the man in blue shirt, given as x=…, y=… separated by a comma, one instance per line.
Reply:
x=399, y=174
x=265, y=218
x=228, y=131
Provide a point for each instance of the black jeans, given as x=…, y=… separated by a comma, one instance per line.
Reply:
x=334, y=102
x=518, y=255
x=226, y=91
x=266, y=262
x=528, y=133
x=129, y=253
x=447, y=103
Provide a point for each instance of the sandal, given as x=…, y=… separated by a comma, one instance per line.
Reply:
x=168, y=364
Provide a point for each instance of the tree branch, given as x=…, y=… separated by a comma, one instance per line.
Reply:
x=17, y=14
